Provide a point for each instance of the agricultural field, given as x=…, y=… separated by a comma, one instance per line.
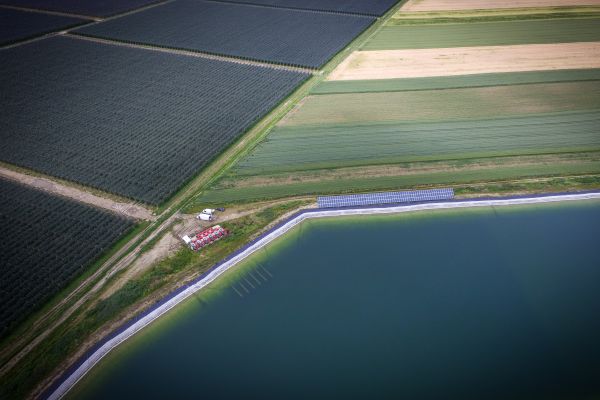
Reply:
x=404, y=17
x=301, y=148
x=437, y=115
x=391, y=64
x=569, y=171
x=432, y=36
x=452, y=82
x=133, y=122
x=444, y=105
x=18, y=25
x=365, y=7
x=94, y=8
x=277, y=35
x=445, y=5
x=46, y=241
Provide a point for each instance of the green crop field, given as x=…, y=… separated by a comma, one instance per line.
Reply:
x=420, y=36
x=321, y=146
x=443, y=105
x=455, y=82
x=497, y=131
x=395, y=182
x=332, y=146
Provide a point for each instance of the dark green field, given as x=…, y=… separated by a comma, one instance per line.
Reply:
x=396, y=37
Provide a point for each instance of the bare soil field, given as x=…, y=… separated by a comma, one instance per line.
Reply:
x=390, y=64
x=446, y=5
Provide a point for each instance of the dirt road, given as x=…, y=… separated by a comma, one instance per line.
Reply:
x=131, y=210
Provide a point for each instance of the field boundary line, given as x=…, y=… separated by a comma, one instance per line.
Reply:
x=49, y=12
x=189, y=53
x=310, y=10
x=132, y=210
x=135, y=10
x=75, y=373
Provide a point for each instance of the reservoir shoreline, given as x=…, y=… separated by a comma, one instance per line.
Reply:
x=137, y=323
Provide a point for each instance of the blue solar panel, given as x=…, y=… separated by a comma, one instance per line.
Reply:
x=384, y=198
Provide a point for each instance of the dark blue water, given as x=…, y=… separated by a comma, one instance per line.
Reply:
x=478, y=304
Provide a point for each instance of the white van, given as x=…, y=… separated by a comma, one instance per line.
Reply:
x=204, y=217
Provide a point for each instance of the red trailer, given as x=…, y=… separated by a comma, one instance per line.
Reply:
x=207, y=236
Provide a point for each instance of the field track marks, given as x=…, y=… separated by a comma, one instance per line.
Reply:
x=390, y=64
x=191, y=53
x=447, y=5
x=131, y=210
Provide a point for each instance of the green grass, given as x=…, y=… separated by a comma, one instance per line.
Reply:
x=446, y=178
x=455, y=82
x=395, y=37
x=561, y=184
x=488, y=15
x=333, y=146
x=444, y=105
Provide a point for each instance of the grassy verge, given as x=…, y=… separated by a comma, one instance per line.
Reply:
x=157, y=281
x=455, y=82
x=396, y=182
x=550, y=185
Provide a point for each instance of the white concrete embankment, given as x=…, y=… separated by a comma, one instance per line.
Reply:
x=68, y=383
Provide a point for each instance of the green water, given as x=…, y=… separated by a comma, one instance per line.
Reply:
x=487, y=303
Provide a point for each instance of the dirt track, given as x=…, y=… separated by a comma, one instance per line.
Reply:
x=131, y=210
x=391, y=64
x=447, y=5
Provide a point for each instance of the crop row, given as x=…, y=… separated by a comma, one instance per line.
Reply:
x=384, y=181
x=443, y=105
x=394, y=37
x=291, y=37
x=455, y=82
x=45, y=241
x=328, y=146
x=128, y=121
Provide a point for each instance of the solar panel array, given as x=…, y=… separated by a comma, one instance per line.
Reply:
x=385, y=198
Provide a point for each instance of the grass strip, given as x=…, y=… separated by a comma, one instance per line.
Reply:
x=351, y=185
x=455, y=82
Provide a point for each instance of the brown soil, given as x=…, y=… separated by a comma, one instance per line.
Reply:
x=131, y=210
x=390, y=64
x=171, y=241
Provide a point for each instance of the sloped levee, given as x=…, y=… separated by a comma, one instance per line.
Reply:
x=79, y=369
